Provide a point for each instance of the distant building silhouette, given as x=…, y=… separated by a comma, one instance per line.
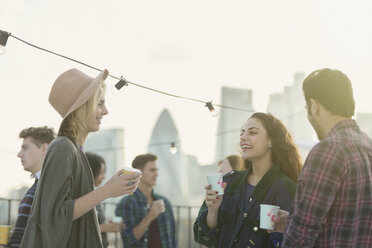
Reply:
x=289, y=107
x=171, y=181
x=230, y=121
x=365, y=122
x=109, y=143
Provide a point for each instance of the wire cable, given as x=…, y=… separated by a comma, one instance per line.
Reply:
x=129, y=82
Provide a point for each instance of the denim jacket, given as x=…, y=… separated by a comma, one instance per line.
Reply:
x=239, y=225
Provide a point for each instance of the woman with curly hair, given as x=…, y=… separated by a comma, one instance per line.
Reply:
x=273, y=165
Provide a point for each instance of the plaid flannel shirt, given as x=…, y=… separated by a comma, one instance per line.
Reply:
x=133, y=209
x=333, y=202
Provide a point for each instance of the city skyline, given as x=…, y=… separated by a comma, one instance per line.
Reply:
x=190, y=48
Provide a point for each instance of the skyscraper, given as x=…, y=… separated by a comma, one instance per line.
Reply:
x=171, y=182
x=288, y=106
x=230, y=121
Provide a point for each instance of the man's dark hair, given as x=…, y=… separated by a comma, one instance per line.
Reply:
x=332, y=89
x=40, y=135
x=140, y=161
x=95, y=162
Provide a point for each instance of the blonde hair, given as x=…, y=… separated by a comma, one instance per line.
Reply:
x=75, y=123
x=236, y=162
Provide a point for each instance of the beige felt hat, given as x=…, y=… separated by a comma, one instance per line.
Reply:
x=72, y=89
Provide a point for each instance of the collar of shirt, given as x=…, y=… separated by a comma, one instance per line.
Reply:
x=347, y=123
x=143, y=198
x=37, y=174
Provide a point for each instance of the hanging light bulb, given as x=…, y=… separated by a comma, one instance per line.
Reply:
x=209, y=105
x=3, y=39
x=173, y=149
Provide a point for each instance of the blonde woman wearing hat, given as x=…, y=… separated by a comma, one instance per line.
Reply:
x=63, y=213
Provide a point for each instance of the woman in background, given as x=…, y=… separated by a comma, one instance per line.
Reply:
x=230, y=163
x=273, y=165
x=98, y=166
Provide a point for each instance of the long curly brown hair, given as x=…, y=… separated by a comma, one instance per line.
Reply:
x=284, y=152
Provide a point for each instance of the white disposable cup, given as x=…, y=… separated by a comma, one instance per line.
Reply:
x=267, y=215
x=215, y=180
x=130, y=170
x=161, y=202
x=117, y=219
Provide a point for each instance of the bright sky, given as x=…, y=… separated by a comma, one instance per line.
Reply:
x=189, y=48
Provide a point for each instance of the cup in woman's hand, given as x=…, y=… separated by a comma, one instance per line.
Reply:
x=268, y=214
x=216, y=182
x=130, y=170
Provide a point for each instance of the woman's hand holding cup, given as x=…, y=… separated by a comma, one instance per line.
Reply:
x=212, y=199
x=120, y=184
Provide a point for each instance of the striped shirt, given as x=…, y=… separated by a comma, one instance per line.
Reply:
x=23, y=213
x=333, y=202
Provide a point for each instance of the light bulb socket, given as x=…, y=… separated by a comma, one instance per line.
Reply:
x=123, y=82
x=209, y=106
x=4, y=37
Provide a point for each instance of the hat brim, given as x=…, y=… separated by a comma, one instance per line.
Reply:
x=87, y=93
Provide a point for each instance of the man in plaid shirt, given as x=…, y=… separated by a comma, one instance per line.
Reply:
x=333, y=202
x=148, y=217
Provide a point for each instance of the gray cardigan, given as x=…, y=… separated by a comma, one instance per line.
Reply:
x=66, y=176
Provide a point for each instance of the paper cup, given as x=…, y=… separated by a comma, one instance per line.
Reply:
x=129, y=170
x=4, y=234
x=161, y=202
x=216, y=182
x=117, y=219
x=267, y=215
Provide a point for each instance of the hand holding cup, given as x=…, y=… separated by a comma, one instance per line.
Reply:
x=280, y=221
x=212, y=199
x=268, y=213
x=122, y=184
x=157, y=207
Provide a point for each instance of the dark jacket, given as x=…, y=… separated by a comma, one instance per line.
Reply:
x=66, y=176
x=238, y=226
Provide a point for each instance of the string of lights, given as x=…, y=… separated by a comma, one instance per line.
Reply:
x=122, y=81
x=4, y=35
x=172, y=144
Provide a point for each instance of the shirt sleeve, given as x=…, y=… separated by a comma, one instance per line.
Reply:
x=56, y=206
x=202, y=234
x=125, y=209
x=317, y=186
x=172, y=223
x=283, y=199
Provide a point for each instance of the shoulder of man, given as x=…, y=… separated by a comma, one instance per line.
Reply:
x=159, y=196
x=324, y=148
x=127, y=200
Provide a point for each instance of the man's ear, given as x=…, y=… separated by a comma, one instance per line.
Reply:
x=45, y=147
x=314, y=106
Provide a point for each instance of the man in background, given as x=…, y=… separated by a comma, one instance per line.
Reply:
x=34, y=146
x=148, y=216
